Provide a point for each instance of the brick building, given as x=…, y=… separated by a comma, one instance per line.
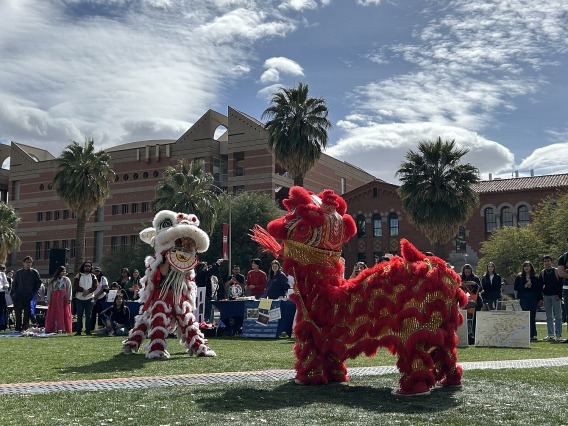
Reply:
x=381, y=222
x=238, y=158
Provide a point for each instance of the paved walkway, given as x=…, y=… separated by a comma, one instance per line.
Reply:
x=251, y=376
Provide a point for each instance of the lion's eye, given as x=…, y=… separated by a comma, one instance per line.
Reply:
x=166, y=224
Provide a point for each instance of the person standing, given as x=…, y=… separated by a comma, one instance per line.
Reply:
x=552, y=294
x=277, y=285
x=4, y=288
x=529, y=292
x=236, y=275
x=256, y=279
x=59, y=296
x=25, y=284
x=203, y=274
x=132, y=286
x=84, y=287
x=562, y=269
x=471, y=285
x=99, y=297
x=491, y=285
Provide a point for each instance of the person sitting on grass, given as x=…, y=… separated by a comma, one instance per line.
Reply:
x=117, y=318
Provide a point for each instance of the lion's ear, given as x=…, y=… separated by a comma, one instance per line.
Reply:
x=349, y=227
x=147, y=235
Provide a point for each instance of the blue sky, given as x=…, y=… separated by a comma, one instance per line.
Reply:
x=489, y=74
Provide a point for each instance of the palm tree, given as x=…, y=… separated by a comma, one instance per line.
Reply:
x=188, y=188
x=297, y=130
x=436, y=190
x=9, y=240
x=82, y=181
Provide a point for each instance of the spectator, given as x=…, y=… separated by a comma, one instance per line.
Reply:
x=236, y=275
x=203, y=274
x=124, y=277
x=117, y=317
x=277, y=285
x=132, y=286
x=234, y=290
x=563, y=273
x=552, y=295
x=84, y=286
x=471, y=285
x=357, y=268
x=529, y=291
x=4, y=288
x=99, y=297
x=119, y=290
x=25, y=285
x=491, y=287
x=256, y=280
x=59, y=295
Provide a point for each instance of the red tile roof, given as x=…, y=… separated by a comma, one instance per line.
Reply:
x=522, y=183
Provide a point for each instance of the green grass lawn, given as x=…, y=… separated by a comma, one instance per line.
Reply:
x=509, y=396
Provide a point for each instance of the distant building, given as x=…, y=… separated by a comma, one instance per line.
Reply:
x=381, y=222
x=238, y=159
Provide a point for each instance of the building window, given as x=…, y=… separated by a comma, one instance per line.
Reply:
x=135, y=176
x=46, y=249
x=134, y=207
x=113, y=244
x=134, y=241
x=343, y=185
x=377, y=256
x=124, y=242
x=114, y=210
x=460, y=240
x=393, y=224
x=216, y=169
x=73, y=251
x=145, y=206
x=55, y=245
x=65, y=214
x=239, y=190
x=360, y=221
x=125, y=177
x=47, y=215
x=57, y=214
x=377, y=226
x=362, y=257
x=39, y=246
x=39, y=217
x=15, y=190
x=64, y=244
x=490, y=219
x=506, y=217
x=116, y=178
x=522, y=216
x=156, y=173
x=125, y=209
x=375, y=192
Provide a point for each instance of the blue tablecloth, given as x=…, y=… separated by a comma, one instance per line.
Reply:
x=236, y=309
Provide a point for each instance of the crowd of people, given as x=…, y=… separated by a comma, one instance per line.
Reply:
x=86, y=294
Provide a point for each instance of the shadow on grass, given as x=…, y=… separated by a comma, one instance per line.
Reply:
x=289, y=395
x=116, y=363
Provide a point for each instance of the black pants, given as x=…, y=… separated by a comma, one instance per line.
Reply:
x=22, y=306
x=97, y=309
x=3, y=311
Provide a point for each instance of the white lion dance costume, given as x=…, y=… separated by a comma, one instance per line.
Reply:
x=168, y=297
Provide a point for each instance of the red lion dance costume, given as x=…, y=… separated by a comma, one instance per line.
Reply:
x=168, y=296
x=409, y=305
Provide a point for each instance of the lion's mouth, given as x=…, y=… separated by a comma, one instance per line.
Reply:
x=185, y=245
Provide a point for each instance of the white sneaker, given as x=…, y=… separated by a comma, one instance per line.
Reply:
x=548, y=339
x=110, y=333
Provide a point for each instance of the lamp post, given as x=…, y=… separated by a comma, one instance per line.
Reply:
x=229, y=196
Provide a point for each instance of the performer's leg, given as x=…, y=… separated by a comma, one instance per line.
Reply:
x=189, y=333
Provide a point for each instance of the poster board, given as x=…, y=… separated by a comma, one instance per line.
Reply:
x=199, y=311
x=261, y=323
x=503, y=329
x=463, y=341
x=111, y=295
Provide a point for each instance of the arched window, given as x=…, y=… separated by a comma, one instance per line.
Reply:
x=361, y=233
x=506, y=217
x=393, y=224
x=460, y=240
x=490, y=220
x=377, y=226
x=522, y=216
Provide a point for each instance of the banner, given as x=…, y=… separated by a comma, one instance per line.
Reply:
x=226, y=242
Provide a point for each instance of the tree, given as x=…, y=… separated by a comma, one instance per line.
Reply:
x=9, y=240
x=82, y=181
x=247, y=209
x=131, y=258
x=436, y=190
x=187, y=188
x=548, y=221
x=297, y=130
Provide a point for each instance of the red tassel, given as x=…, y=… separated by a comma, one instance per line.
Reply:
x=267, y=241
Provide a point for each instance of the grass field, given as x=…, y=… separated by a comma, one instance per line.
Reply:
x=508, y=396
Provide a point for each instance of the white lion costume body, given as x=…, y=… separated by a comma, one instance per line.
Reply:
x=168, y=297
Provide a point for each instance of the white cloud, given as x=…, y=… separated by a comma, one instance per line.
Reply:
x=276, y=66
x=298, y=5
x=379, y=149
x=546, y=160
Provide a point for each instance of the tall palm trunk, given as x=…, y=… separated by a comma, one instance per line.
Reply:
x=299, y=181
x=80, y=241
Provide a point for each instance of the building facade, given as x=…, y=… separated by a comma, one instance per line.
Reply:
x=239, y=160
x=381, y=222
